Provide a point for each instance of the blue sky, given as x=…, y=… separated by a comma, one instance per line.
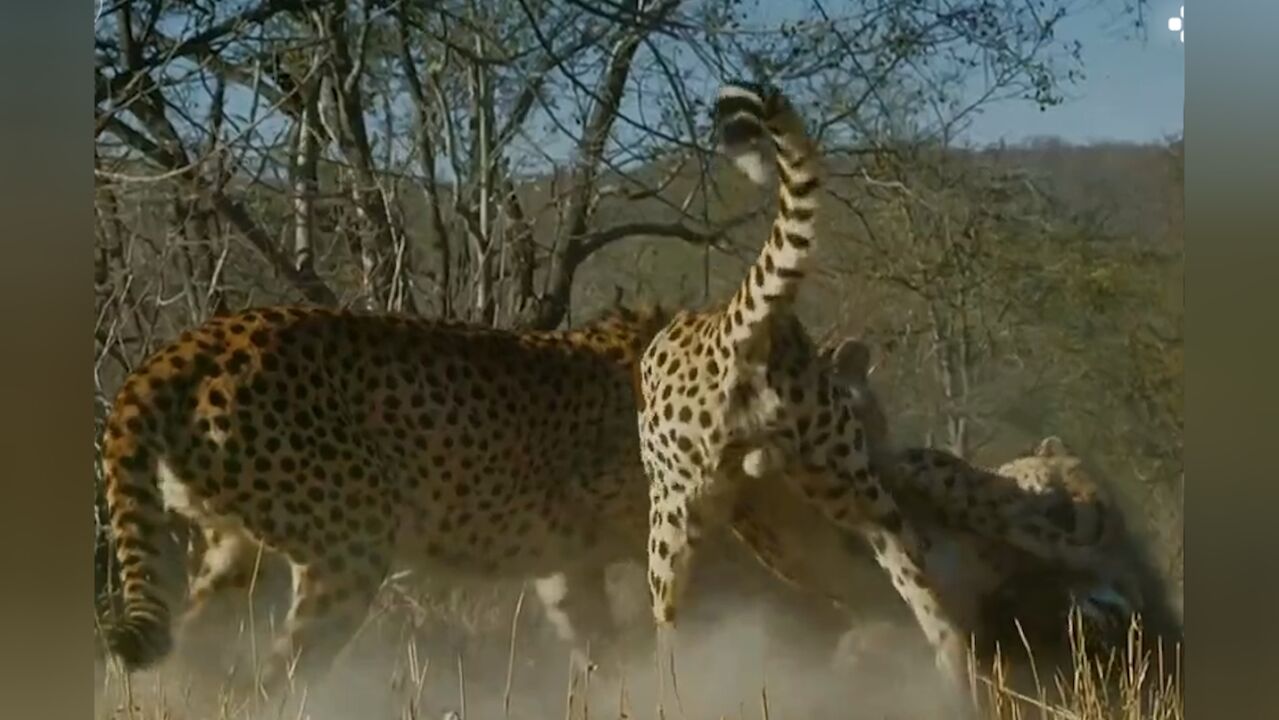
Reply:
x=1134, y=89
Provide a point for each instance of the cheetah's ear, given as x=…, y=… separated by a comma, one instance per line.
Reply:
x=1051, y=446
x=851, y=361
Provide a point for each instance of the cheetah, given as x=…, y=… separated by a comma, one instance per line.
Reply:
x=349, y=443
x=1073, y=549
x=732, y=391
x=985, y=580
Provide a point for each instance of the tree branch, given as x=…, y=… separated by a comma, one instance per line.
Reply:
x=598, y=239
x=313, y=288
x=607, y=101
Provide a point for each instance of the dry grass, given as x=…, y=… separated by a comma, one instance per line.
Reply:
x=1137, y=683
x=411, y=661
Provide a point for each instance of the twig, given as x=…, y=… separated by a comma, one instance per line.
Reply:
x=510, y=658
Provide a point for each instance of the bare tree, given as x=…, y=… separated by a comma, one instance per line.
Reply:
x=960, y=244
x=509, y=100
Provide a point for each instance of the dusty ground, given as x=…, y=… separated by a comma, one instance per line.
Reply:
x=756, y=650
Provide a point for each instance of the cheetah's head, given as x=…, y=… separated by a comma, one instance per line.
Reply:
x=849, y=367
x=1073, y=497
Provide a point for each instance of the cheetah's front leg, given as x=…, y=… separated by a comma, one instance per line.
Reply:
x=853, y=497
x=682, y=508
x=670, y=551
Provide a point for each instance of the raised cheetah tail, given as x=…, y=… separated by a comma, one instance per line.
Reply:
x=140, y=634
x=744, y=113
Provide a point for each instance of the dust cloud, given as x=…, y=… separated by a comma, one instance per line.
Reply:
x=740, y=653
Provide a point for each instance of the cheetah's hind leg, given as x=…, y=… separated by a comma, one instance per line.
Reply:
x=210, y=629
x=332, y=595
x=577, y=604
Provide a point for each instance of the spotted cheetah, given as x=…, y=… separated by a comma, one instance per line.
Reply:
x=1074, y=534
x=985, y=580
x=1071, y=546
x=349, y=443
x=725, y=387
